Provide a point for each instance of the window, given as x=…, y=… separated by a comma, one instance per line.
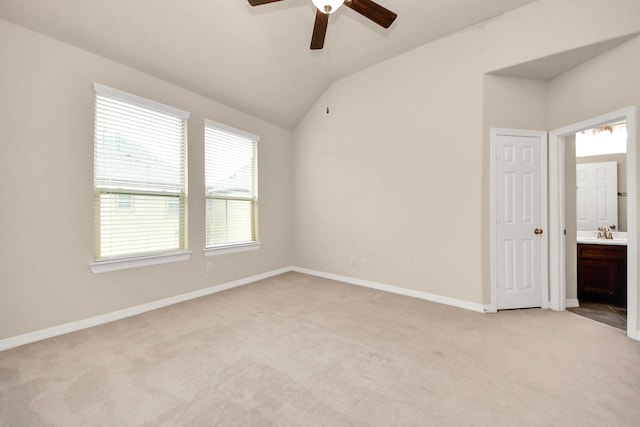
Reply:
x=608, y=139
x=140, y=177
x=230, y=186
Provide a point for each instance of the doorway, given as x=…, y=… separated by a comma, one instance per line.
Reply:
x=558, y=220
x=596, y=267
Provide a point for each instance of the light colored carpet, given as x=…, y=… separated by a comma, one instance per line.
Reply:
x=299, y=350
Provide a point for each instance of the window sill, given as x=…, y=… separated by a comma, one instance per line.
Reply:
x=230, y=249
x=142, y=261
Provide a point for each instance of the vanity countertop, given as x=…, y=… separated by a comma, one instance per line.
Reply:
x=591, y=238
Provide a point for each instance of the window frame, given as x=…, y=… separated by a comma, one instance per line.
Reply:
x=228, y=248
x=118, y=262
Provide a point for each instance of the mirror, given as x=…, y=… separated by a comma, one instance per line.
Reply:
x=601, y=186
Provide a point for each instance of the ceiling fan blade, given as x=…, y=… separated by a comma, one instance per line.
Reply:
x=319, y=30
x=259, y=2
x=373, y=11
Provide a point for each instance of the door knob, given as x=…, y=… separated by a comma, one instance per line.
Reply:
x=538, y=231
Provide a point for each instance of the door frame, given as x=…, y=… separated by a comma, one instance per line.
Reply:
x=544, y=285
x=557, y=224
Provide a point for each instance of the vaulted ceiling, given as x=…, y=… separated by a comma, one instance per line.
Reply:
x=255, y=59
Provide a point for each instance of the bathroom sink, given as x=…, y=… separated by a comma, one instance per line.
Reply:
x=591, y=237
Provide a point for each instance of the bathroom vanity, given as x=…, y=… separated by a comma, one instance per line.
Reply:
x=602, y=270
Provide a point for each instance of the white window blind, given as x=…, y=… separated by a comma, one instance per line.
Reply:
x=230, y=185
x=140, y=176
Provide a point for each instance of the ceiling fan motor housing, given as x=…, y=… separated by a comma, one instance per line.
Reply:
x=327, y=6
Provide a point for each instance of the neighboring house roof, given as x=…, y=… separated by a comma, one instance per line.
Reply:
x=240, y=183
x=126, y=164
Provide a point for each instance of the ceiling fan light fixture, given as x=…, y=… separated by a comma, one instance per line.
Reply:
x=327, y=6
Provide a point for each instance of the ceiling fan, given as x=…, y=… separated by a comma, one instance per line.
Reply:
x=367, y=8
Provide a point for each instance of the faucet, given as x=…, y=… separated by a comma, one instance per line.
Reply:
x=604, y=233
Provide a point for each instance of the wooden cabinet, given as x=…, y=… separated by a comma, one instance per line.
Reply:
x=602, y=273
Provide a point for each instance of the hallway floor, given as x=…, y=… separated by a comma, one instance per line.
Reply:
x=604, y=313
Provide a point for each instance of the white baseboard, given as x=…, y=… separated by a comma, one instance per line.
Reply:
x=55, y=331
x=8, y=343
x=571, y=303
x=490, y=308
x=394, y=289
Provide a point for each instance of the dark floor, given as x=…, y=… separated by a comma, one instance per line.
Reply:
x=604, y=313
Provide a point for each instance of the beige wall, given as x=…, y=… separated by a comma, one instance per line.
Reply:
x=399, y=171
x=46, y=175
x=512, y=103
x=548, y=27
x=603, y=85
x=392, y=174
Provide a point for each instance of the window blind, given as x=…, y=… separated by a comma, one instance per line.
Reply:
x=140, y=176
x=230, y=186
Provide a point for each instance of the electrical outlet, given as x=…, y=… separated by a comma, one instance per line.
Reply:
x=209, y=267
x=352, y=261
x=365, y=262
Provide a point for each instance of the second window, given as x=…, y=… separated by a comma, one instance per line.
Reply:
x=231, y=167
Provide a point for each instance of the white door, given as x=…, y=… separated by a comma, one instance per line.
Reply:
x=518, y=199
x=597, y=195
